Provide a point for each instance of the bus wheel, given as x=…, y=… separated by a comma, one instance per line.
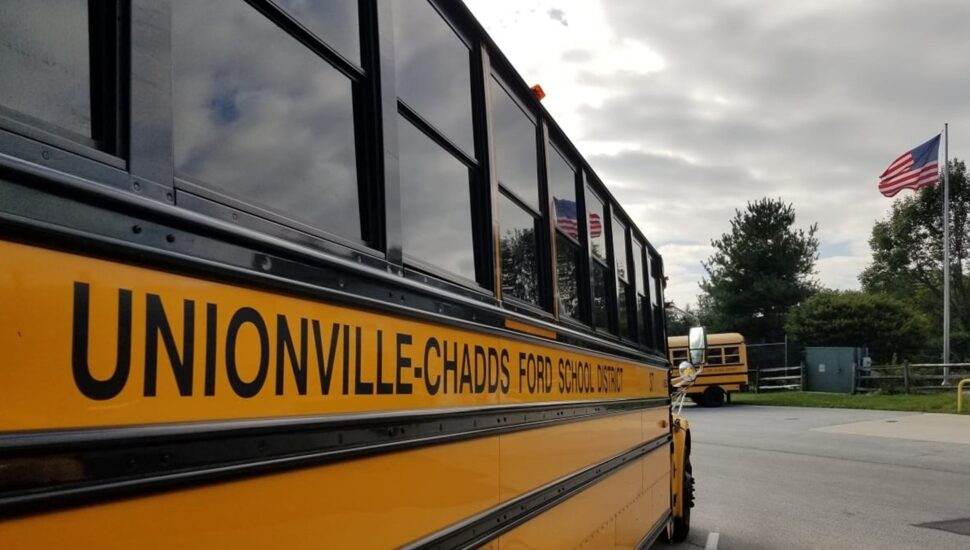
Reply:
x=713, y=396
x=682, y=524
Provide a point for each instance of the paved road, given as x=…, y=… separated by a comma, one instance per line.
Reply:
x=778, y=478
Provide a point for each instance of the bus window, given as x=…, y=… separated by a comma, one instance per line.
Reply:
x=433, y=71
x=567, y=275
x=261, y=118
x=594, y=211
x=436, y=204
x=624, y=291
x=655, y=282
x=599, y=269
x=46, y=67
x=562, y=190
x=643, y=307
x=520, y=269
x=515, y=147
x=516, y=168
x=334, y=21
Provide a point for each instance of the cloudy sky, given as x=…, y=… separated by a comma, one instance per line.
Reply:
x=688, y=110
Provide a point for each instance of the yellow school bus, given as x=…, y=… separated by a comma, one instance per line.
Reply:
x=726, y=369
x=314, y=274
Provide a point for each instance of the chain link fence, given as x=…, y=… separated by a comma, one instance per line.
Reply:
x=775, y=365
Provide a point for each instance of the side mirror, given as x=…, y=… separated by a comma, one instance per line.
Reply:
x=697, y=345
x=687, y=374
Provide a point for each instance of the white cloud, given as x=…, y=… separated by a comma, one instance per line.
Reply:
x=690, y=110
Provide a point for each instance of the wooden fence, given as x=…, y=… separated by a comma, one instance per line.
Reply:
x=778, y=378
x=910, y=378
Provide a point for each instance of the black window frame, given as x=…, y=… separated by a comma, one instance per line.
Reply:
x=556, y=145
x=658, y=322
x=500, y=75
x=629, y=293
x=481, y=201
x=108, y=41
x=365, y=84
x=594, y=186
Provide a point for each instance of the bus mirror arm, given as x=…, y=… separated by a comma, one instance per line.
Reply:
x=687, y=371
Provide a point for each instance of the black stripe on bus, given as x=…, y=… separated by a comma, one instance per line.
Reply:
x=489, y=524
x=39, y=470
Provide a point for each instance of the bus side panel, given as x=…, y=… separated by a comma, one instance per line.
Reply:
x=377, y=502
x=656, y=481
x=533, y=458
x=615, y=512
x=655, y=422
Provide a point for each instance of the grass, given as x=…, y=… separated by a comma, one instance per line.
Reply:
x=935, y=402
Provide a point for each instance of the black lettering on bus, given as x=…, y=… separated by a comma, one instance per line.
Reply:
x=546, y=374
x=562, y=376
x=360, y=387
x=466, y=370
x=493, y=369
x=156, y=323
x=481, y=369
x=240, y=386
x=284, y=342
x=451, y=365
x=403, y=362
x=325, y=368
x=346, y=380
x=211, y=347
x=383, y=388
x=432, y=388
x=86, y=383
x=537, y=371
x=506, y=378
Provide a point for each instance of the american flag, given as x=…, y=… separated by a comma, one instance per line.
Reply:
x=913, y=169
x=566, y=219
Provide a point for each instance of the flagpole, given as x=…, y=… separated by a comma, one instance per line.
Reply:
x=946, y=254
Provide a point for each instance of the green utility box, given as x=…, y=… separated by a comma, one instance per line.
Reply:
x=831, y=369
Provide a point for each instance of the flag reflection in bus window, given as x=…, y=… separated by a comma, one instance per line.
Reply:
x=562, y=189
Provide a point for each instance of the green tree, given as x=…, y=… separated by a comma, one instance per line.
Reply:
x=759, y=270
x=907, y=255
x=679, y=321
x=852, y=318
x=520, y=276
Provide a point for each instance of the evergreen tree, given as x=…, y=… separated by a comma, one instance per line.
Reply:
x=759, y=270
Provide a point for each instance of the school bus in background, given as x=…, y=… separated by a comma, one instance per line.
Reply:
x=726, y=369
x=302, y=274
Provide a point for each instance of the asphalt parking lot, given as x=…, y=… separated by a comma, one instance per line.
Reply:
x=800, y=478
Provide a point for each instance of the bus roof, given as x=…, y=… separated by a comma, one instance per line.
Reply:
x=719, y=338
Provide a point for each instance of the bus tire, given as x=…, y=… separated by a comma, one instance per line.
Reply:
x=713, y=396
x=681, y=526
